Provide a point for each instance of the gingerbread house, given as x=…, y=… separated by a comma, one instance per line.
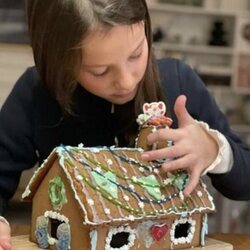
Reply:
x=108, y=198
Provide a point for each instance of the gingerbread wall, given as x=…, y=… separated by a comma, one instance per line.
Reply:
x=41, y=204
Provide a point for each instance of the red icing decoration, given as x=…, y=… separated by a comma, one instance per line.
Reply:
x=158, y=231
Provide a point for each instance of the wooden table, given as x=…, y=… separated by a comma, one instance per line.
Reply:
x=22, y=242
x=239, y=241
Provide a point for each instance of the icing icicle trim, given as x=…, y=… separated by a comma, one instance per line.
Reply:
x=204, y=229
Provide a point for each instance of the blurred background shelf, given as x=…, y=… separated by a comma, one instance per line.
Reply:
x=13, y=28
x=206, y=34
x=163, y=6
x=211, y=70
x=213, y=37
x=202, y=49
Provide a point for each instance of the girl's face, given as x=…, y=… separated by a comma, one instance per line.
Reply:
x=114, y=63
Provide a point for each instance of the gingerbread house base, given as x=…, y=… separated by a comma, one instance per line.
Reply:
x=22, y=243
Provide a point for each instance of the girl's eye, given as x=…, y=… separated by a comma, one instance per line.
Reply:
x=99, y=74
x=134, y=57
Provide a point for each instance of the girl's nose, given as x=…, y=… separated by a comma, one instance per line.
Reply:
x=124, y=80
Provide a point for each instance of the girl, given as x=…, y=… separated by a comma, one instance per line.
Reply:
x=94, y=69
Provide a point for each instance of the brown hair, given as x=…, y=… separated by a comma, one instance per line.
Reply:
x=57, y=27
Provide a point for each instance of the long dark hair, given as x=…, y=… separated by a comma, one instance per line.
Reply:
x=57, y=27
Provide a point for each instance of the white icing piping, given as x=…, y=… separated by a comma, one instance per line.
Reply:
x=60, y=151
x=59, y=217
x=93, y=236
x=191, y=231
x=124, y=171
x=204, y=229
x=103, y=201
x=115, y=230
x=128, y=218
x=56, y=216
x=211, y=199
x=61, y=162
x=27, y=190
x=109, y=162
x=86, y=193
x=161, y=180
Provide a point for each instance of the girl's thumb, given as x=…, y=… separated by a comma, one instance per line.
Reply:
x=181, y=112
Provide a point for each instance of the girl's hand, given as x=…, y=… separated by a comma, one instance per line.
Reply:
x=5, y=243
x=194, y=149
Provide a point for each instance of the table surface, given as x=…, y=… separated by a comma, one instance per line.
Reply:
x=239, y=241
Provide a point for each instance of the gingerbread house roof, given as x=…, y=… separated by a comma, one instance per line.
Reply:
x=113, y=185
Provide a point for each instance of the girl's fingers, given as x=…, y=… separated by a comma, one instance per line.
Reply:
x=4, y=246
x=163, y=134
x=180, y=163
x=193, y=182
x=163, y=153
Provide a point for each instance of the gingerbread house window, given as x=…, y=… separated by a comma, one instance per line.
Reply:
x=182, y=231
x=54, y=224
x=53, y=228
x=120, y=238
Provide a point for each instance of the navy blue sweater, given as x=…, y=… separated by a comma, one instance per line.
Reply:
x=31, y=125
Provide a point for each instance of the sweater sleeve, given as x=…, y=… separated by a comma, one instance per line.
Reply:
x=17, y=149
x=234, y=184
x=178, y=78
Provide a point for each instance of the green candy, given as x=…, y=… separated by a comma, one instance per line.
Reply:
x=151, y=184
x=57, y=193
x=105, y=182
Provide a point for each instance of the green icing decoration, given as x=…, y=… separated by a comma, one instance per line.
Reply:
x=105, y=182
x=57, y=193
x=147, y=182
x=181, y=180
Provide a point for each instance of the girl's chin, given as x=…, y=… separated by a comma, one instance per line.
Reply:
x=121, y=99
